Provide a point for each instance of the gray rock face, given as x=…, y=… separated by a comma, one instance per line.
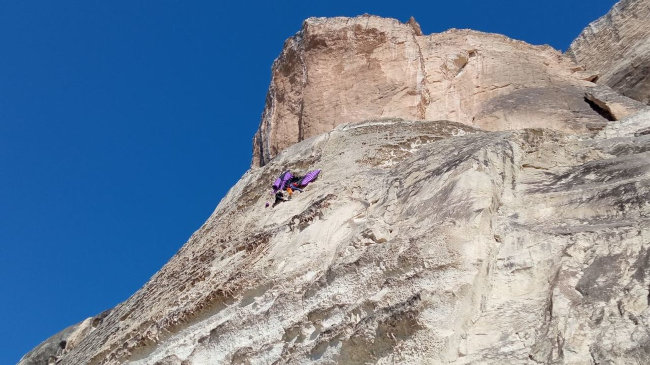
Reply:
x=422, y=242
x=50, y=351
x=610, y=104
x=617, y=46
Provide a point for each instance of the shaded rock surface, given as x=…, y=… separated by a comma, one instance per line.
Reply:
x=339, y=70
x=421, y=242
x=617, y=47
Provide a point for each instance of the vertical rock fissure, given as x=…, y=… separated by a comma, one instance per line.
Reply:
x=265, y=143
x=422, y=82
x=303, y=65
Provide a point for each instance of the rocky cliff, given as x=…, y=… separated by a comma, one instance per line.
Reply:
x=340, y=70
x=481, y=201
x=422, y=242
x=617, y=47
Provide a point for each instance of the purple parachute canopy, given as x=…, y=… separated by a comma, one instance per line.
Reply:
x=280, y=182
x=311, y=176
x=276, y=184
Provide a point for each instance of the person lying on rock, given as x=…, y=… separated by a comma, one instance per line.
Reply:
x=288, y=182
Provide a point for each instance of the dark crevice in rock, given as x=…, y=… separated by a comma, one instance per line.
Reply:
x=301, y=127
x=560, y=346
x=619, y=305
x=600, y=108
x=598, y=280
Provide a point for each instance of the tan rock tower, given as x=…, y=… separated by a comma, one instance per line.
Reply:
x=340, y=70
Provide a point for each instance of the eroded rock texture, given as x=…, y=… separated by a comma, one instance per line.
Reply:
x=339, y=70
x=422, y=242
x=50, y=351
x=617, y=46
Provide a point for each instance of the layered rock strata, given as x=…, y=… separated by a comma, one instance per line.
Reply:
x=445, y=244
x=339, y=70
x=617, y=47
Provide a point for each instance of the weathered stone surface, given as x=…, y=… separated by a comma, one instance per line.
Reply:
x=52, y=349
x=612, y=105
x=442, y=244
x=617, y=46
x=339, y=70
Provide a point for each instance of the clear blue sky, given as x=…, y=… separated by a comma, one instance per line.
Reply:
x=123, y=123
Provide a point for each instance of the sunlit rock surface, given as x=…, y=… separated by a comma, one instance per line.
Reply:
x=515, y=234
x=617, y=47
x=55, y=347
x=339, y=70
x=422, y=242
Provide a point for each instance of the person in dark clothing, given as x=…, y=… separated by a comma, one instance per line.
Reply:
x=279, y=198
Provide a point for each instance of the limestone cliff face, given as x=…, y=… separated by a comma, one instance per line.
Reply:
x=617, y=47
x=479, y=240
x=443, y=244
x=340, y=70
